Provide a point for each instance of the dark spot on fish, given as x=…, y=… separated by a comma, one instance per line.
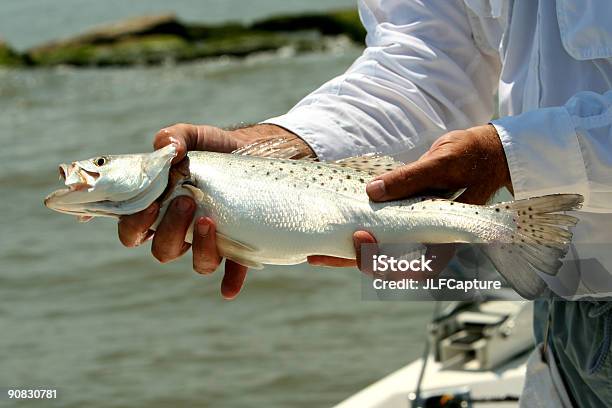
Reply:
x=362, y=180
x=530, y=209
x=314, y=179
x=507, y=207
x=497, y=210
x=348, y=177
x=318, y=167
x=476, y=212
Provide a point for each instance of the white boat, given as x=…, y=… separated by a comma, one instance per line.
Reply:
x=475, y=357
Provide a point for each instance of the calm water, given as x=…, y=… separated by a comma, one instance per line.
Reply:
x=108, y=326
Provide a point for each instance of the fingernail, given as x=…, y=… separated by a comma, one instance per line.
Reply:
x=203, y=227
x=376, y=189
x=183, y=205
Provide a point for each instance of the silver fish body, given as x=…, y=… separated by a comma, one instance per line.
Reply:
x=286, y=210
x=280, y=211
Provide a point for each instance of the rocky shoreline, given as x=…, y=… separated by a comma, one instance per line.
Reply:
x=152, y=40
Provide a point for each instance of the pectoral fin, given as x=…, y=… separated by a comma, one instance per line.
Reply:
x=237, y=251
x=197, y=194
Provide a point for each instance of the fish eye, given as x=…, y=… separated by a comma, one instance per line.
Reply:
x=100, y=161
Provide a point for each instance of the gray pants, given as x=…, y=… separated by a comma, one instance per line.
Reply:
x=580, y=337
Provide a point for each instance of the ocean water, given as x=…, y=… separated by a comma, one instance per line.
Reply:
x=110, y=327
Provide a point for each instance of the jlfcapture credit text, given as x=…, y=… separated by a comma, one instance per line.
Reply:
x=384, y=263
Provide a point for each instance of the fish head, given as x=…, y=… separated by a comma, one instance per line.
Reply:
x=112, y=185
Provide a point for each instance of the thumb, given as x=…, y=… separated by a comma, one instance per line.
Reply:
x=182, y=136
x=409, y=180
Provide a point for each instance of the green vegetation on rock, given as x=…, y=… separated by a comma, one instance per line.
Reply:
x=9, y=57
x=157, y=39
x=338, y=22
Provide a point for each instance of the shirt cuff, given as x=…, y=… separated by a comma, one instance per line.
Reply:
x=543, y=153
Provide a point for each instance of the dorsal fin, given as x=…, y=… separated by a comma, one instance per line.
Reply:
x=287, y=148
x=277, y=148
x=372, y=163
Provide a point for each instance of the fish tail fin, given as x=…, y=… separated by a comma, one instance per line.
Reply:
x=540, y=240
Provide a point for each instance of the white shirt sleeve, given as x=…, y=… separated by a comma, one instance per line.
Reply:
x=421, y=75
x=564, y=149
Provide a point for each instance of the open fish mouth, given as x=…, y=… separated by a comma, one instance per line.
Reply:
x=77, y=178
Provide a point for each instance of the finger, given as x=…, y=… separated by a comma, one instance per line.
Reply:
x=233, y=280
x=206, y=258
x=331, y=261
x=409, y=180
x=169, y=240
x=361, y=238
x=134, y=229
x=183, y=136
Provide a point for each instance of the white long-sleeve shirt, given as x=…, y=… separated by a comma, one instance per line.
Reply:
x=434, y=66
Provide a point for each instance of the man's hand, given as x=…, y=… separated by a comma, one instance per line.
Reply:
x=169, y=239
x=473, y=159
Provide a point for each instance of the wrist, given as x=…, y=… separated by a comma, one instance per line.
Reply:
x=494, y=154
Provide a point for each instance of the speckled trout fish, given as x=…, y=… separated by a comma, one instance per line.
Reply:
x=279, y=211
